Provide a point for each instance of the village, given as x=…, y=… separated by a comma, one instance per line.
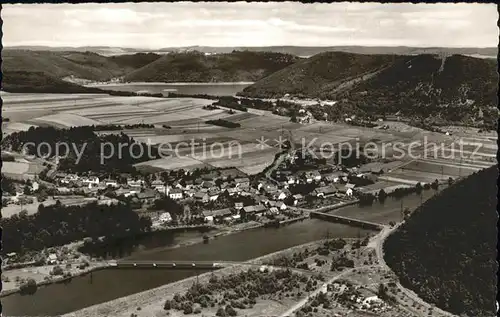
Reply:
x=225, y=197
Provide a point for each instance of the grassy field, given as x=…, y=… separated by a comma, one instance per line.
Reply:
x=186, y=119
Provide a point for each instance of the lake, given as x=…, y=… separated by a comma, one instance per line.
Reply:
x=213, y=89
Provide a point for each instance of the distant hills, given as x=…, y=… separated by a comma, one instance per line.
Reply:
x=446, y=250
x=57, y=66
x=450, y=87
x=303, y=51
x=236, y=66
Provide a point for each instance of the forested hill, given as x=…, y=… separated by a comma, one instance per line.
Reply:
x=451, y=88
x=446, y=251
x=52, y=71
x=85, y=65
x=237, y=66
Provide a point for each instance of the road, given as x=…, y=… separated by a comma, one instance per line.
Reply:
x=323, y=288
x=275, y=165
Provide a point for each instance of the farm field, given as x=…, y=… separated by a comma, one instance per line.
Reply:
x=186, y=119
x=439, y=168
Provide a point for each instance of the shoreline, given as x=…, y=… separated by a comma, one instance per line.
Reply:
x=102, y=266
x=124, y=305
x=171, y=83
x=56, y=279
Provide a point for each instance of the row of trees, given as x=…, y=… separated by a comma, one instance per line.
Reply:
x=101, y=154
x=58, y=225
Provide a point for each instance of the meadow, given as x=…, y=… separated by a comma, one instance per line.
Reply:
x=178, y=122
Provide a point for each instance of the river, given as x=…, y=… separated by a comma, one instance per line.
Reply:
x=110, y=284
x=214, y=89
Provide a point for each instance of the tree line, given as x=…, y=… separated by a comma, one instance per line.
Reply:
x=57, y=225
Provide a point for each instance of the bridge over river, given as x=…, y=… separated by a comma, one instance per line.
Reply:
x=180, y=265
x=346, y=220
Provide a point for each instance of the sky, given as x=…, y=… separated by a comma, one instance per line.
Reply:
x=158, y=25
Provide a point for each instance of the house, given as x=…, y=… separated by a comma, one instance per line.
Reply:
x=283, y=194
x=281, y=206
x=174, y=193
x=257, y=210
x=349, y=192
x=297, y=198
x=277, y=204
x=110, y=182
x=238, y=205
x=35, y=186
x=198, y=182
x=135, y=183
x=274, y=210
x=188, y=184
x=243, y=181
x=159, y=186
x=201, y=196
x=325, y=191
x=90, y=180
x=232, y=191
x=221, y=213
x=208, y=216
x=207, y=184
x=213, y=194
x=126, y=192
x=165, y=217
x=315, y=175
x=290, y=179
x=52, y=258
x=147, y=196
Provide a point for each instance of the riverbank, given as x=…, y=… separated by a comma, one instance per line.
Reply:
x=13, y=278
x=150, y=302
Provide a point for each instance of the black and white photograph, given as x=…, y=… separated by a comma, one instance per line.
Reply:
x=253, y=159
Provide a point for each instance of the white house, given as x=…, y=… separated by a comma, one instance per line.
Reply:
x=35, y=186
x=159, y=186
x=213, y=195
x=110, y=182
x=174, y=193
x=91, y=180
x=52, y=259
x=135, y=183
x=281, y=196
x=348, y=192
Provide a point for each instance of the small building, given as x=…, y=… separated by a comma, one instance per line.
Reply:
x=243, y=181
x=174, y=193
x=110, y=182
x=238, y=205
x=201, y=196
x=135, y=183
x=159, y=186
x=147, y=196
x=35, y=186
x=91, y=180
x=207, y=184
x=52, y=258
x=257, y=210
x=325, y=191
x=213, y=194
x=232, y=191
